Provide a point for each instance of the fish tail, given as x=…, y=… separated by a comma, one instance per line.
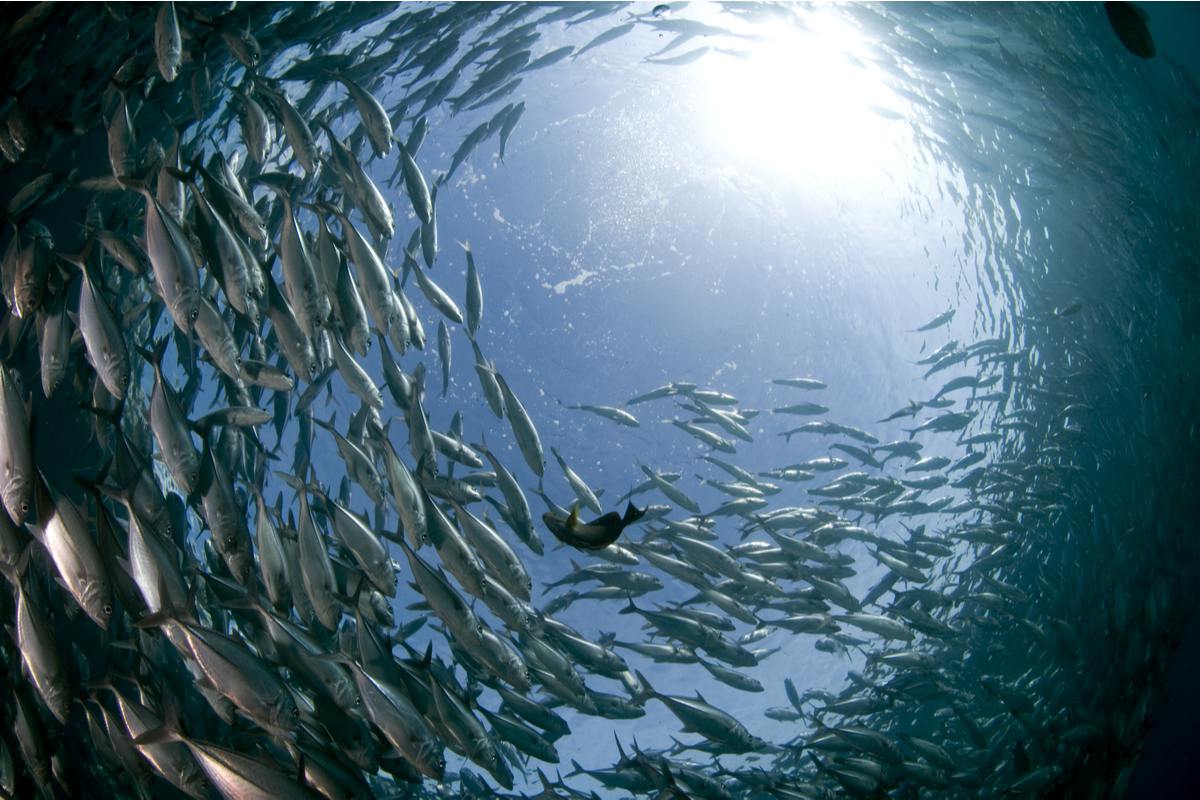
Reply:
x=647, y=691
x=155, y=355
x=183, y=176
x=16, y=571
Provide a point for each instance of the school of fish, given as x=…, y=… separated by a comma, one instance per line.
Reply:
x=194, y=612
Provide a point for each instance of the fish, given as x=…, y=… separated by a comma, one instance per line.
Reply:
x=699, y=717
x=172, y=260
x=34, y=637
x=523, y=428
x=231, y=772
x=17, y=479
x=802, y=409
x=102, y=335
x=604, y=38
x=512, y=114
x=948, y=421
x=372, y=276
x=374, y=117
x=811, y=384
x=168, y=44
x=257, y=131
x=672, y=492
x=582, y=491
x=415, y=186
x=474, y=293
x=617, y=415
x=295, y=127
x=937, y=322
x=63, y=531
x=706, y=436
x=595, y=535
x=520, y=517
x=437, y=297
x=171, y=426
x=1129, y=23
x=500, y=559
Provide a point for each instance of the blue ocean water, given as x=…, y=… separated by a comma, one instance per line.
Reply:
x=847, y=182
x=802, y=192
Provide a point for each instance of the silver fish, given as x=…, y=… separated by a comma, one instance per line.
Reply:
x=168, y=45
x=102, y=335
x=523, y=428
x=16, y=451
x=65, y=534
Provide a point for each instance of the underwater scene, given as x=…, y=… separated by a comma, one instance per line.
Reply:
x=593, y=400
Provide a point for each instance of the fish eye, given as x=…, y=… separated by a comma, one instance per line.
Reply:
x=295, y=712
x=229, y=542
x=358, y=700
x=107, y=610
x=124, y=380
x=195, y=312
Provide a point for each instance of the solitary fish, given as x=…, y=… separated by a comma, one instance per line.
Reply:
x=595, y=535
x=1129, y=23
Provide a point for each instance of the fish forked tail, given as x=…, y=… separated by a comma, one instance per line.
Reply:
x=646, y=692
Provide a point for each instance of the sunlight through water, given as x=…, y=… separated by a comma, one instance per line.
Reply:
x=801, y=103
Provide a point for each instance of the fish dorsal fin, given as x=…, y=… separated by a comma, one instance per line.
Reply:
x=573, y=517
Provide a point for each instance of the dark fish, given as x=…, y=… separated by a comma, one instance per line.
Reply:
x=1129, y=23
x=595, y=535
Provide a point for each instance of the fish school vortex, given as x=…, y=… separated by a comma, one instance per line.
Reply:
x=261, y=540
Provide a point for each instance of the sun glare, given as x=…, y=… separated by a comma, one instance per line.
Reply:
x=799, y=103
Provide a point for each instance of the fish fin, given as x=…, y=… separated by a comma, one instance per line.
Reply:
x=297, y=484
x=161, y=735
x=647, y=692
x=16, y=572
x=246, y=602
x=573, y=518
x=155, y=620
x=187, y=177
